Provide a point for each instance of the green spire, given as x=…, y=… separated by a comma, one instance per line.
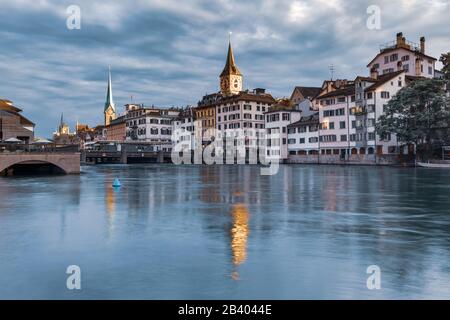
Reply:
x=109, y=96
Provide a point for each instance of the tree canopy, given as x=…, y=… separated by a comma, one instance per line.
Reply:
x=445, y=59
x=419, y=114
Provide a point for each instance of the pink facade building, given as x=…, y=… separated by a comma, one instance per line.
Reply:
x=404, y=55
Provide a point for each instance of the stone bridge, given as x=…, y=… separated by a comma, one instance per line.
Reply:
x=69, y=163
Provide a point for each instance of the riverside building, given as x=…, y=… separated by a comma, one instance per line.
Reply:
x=150, y=124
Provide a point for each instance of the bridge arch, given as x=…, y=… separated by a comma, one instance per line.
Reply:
x=59, y=163
x=34, y=167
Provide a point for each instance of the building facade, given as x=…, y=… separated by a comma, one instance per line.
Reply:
x=277, y=120
x=184, y=129
x=404, y=55
x=303, y=136
x=232, y=108
x=13, y=125
x=150, y=124
x=116, y=130
x=336, y=129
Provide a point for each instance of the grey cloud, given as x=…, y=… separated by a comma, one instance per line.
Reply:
x=166, y=52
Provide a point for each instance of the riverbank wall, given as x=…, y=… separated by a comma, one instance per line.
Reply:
x=368, y=160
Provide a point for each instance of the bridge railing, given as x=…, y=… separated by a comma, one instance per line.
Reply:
x=37, y=148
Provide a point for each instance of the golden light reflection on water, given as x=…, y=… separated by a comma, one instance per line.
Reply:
x=239, y=236
x=110, y=207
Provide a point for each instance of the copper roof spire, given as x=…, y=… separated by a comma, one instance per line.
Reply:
x=230, y=66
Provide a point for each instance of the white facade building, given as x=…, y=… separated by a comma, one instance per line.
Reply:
x=184, y=129
x=277, y=122
x=303, y=136
x=243, y=111
x=337, y=125
x=153, y=125
x=348, y=116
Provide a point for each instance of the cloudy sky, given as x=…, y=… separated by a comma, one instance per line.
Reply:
x=170, y=52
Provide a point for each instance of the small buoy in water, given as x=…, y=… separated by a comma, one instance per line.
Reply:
x=116, y=183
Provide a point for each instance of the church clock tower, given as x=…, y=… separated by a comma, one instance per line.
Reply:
x=230, y=78
x=110, y=109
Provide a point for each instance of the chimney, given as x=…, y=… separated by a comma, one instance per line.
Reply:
x=374, y=73
x=422, y=45
x=399, y=39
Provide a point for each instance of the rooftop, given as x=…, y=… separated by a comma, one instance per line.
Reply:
x=306, y=121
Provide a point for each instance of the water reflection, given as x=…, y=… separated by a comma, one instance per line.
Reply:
x=239, y=236
x=175, y=231
x=110, y=202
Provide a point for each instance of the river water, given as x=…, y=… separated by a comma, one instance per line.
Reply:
x=226, y=232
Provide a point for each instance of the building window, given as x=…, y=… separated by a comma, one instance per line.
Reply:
x=344, y=137
x=430, y=70
x=392, y=149
x=386, y=137
x=328, y=138
x=385, y=95
x=302, y=140
x=292, y=141
x=386, y=59
x=291, y=130
x=328, y=113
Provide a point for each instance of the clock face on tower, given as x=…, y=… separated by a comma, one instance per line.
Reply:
x=231, y=84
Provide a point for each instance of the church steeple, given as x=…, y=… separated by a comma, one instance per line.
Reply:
x=109, y=95
x=110, y=109
x=230, y=66
x=231, y=77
